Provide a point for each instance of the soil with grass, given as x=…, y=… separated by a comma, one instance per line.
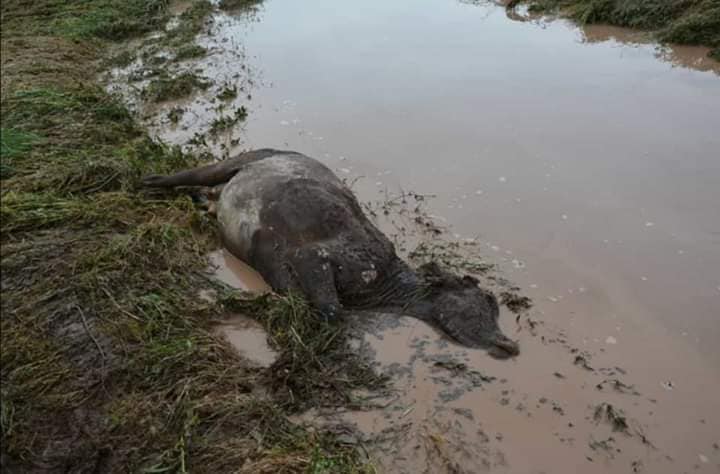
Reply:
x=692, y=22
x=108, y=359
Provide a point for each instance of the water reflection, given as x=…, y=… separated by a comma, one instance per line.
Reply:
x=692, y=57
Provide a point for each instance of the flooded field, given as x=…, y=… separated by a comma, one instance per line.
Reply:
x=586, y=165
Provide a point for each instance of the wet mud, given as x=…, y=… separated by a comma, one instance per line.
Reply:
x=581, y=166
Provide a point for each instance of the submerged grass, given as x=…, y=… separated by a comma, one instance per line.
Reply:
x=226, y=122
x=167, y=87
x=190, y=52
x=695, y=22
x=108, y=361
x=238, y=4
x=314, y=367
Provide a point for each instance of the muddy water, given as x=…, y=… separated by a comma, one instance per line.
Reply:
x=244, y=334
x=249, y=339
x=236, y=273
x=586, y=162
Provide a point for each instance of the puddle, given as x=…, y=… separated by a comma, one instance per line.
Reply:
x=249, y=339
x=244, y=334
x=583, y=162
x=456, y=410
x=236, y=273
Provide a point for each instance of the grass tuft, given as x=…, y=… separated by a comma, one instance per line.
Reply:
x=234, y=5
x=315, y=367
x=14, y=144
x=226, y=122
x=166, y=88
x=190, y=52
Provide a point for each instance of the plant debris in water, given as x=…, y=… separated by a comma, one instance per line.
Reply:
x=607, y=412
x=315, y=367
x=238, y=4
x=618, y=386
x=190, y=52
x=167, y=87
x=459, y=369
x=175, y=114
x=228, y=93
x=515, y=302
x=108, y=358
x=226, y=122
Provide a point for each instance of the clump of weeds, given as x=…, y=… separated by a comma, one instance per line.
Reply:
x=226, y=122
x=190, y=52
x=166, y=87
x=608, y=413
x=313, y=368
x=514, y=302
x=13, y=143
x=238, y=4
x=122, y=59
x=175, y=114
x=228, y=93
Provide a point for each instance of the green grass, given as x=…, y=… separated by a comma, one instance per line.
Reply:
x=108, y=359
x=13, y=144
x=314, y=366
x=122, y=59
x=226, y=122
x=190, y=52
x=166, y=87
x=175, y=114
x=228, y=93
x=234, y=5
x=83, y=19
x=695, y=22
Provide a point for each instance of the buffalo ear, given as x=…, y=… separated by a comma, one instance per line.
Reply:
x=492, y=303
x=430, y=269
x=432, y=274
x=470, y=281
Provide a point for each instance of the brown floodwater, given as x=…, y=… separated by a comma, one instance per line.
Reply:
x=248, y=338
x=244, y=334
x=236, y=273
x=586, y=163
